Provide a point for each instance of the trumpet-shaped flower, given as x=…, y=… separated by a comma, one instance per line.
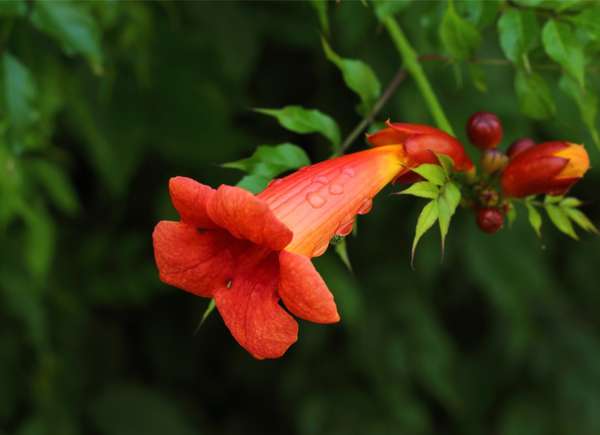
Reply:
x=550, y=167
x=251, y=252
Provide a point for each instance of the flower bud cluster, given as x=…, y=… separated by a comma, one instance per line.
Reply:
x=526, y=168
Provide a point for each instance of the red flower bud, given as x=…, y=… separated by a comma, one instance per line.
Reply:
x=490, y=220
x=550, y=167
x=421, y=144
x=493, y=161
x=518, y=146
x=484, y=130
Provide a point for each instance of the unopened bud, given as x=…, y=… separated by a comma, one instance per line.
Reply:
x=493, y=161
x=490, y=220
x=518, y=146
x=484, y=130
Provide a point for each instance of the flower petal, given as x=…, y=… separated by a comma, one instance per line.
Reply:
x=196, y=262
x=303, y=291
x=423, y=149
x=252, y=313
x=524, y=177
x=190, y=198
x=247, y=217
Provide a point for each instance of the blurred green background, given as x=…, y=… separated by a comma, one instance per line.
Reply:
x=102, y=102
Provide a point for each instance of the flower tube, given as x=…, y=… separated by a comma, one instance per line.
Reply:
x=250, y=252
x=551, y=168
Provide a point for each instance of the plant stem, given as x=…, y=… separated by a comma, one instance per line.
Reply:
x=364, y=123
x=412, y=64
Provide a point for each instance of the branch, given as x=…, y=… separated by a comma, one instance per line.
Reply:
x=387, y=94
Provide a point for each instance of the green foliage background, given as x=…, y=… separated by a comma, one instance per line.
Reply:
x=102, y=102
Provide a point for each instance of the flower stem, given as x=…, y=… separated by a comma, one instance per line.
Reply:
x=413, y=66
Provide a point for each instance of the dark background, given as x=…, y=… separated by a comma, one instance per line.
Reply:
x=502, y=337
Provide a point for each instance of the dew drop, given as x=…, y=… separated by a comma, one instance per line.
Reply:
x=336, y=189
x=345, y=229
x=320, y=249
x=348, y=172
x=365, y=207
x=315, y=200
x=321, y=179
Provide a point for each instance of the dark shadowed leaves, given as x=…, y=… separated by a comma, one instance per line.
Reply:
x=18, y=92
x=459, y=37
x=534, y=96
x=71, y=24
x=564, y=48
x=519, y=33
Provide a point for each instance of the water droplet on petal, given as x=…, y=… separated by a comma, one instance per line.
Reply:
x=345, y=229
x=336, y=189
x=321, y=179
x=315, y=200
x=348, y=172
x=320, y=249
x=365, y=207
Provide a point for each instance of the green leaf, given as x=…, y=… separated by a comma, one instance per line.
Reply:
x=534, y=96
x=588, y=20
x=207, y=312
x=253, y=183
x=270, y=161
x=452, y=195
x=422, y=189
x=426, y=219
x=529, y=3
x=301, y=120
x=446, y=162
x=581, y=219
x=535, y=219
x=19, y=94
x=561, y=220
x=388, y=8
x=431, y=172
x=447, y=203
x=341, y=250
x=72, y=26
x=12, y=8
x=127, y=409
x=459, y=37
x=40, y=239
x=321, y=10
x=444, y=216
x=562, y=46
x=480, y=13
x=552, y=199
x=358, y=76
x=586, y=101
x=519, y=33
x=511, y=215
x=478, y=77
x=570, y=202
x=58, y=186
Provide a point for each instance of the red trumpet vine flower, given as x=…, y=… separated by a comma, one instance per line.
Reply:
x=249, y=252
x=421, y=144
x=550, y=168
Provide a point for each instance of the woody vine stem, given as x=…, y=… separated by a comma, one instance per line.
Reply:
x=413, y=66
